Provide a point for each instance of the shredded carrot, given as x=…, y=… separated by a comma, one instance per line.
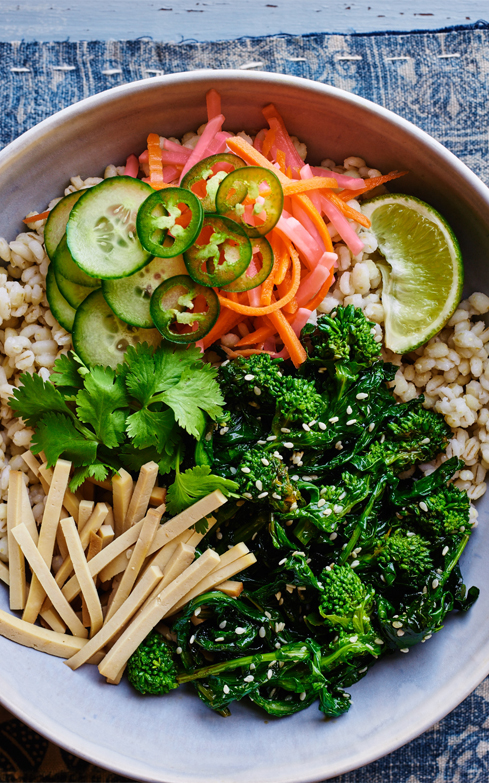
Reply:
x=314, y=303
x=34, y=218
x=246, y=352
x=348, y=212
x=281, y=160
x=316, y=218
x=271, y=308
x=267, y=285
x=259, y=335
x=227, y=320
x=268, y=142
x=250, y=155
x=289, y=338
x=292, y=307
x=155, y=162
x=372, y=183
x=283, y=265
x=315, y=183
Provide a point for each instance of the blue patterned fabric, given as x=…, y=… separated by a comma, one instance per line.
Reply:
x=437, y=80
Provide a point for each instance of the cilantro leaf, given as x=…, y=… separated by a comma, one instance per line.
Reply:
x=193, y=484
x=101, y=404
x=65, y=374
x=35, y=398
x=57, y=436
x=97, y=471
x=134, y=459
x=196, y=391
x=149, y=373
x=147, y=428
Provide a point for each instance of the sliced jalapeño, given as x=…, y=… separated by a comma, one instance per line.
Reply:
x=169, y=221
x=220, y=254
x=253, y=197
x=182, y=310
x=261, y=265
x=204, y=178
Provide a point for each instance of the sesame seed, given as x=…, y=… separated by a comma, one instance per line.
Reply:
x=322, y=425
x=404, y=649
x=179, y=651
x=334, y=419
x=338, y=445
x=355, y=563
x=277, y=497
x=321, y=502
x=277, y=455
x=444, y=551
x=268, y=615
x=249, y=377
x=362, y=396
x=269, y=674
x=425, y=589
x=220, y=639
x=435, y=584
x=283, y=561
x=382, y=439
x=410, y=533
x=249, y=678
x=382, y=577
x=257, y=390
x=378, y=641
x=262, y=495
x=225, y=363
x=396, y=624
x=322, y=369
x=261, y=442
x=225, y=688
x=248, y=495
x=272, y=437
x=462, y=528
x=192, y=639
x=223, y=430
x=423, y=506
x=337, y=509
x=293, y=506
x=219, y=535
x=349, y=410
x=353, y=639
x=306, y=478
x=254, y=535
x=223, y=625
x=197, y=611
x=327, y=512
x=208, y=437
x=285, y=430
x=258, y=485
x=295, y=478
x=277, y=645
x=350, y=422
x=302, y=696
x=279, y=374
x=425, y=441
x=312, y=423
x=265, y=462
x=278, y=595
x=288, y=445
x=400, y=633
x=305, y=427
x=245, y=470
x=239, y=631
x=361, y=671
x=261, y=632
x=333, y=536
x=371, y=426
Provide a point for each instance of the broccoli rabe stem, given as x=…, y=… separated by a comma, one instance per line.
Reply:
x=302, y=653
x=378, y=490
x=453, y=562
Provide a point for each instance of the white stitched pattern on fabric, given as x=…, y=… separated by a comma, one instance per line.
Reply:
x=246, y=66
x=447, y=56
x=63, y=67
x=350, y=57
x=20, y=70
x=111, y=71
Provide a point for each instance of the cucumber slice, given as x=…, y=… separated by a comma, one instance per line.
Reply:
x=64, y=265
x=56, y=223
x=129, y=297
x=101, y=229
x=60, y=308
x=73, y=293
x=99, y=337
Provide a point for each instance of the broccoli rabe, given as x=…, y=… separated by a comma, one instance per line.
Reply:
x=402, y=555
x=342, y=594
x=151, y=668
x=344, y=334
x=253, y=379
x=297, y=403
x=264, y=478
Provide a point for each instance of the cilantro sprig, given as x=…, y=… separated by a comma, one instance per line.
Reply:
x=102, y=419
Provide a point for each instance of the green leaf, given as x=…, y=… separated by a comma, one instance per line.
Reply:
x=151, y=373
x=103, y=404
x=148, y=428
x=35, y=398
x=57, y=436
x=66, y=374
x=194, y=484
x=197, y=391
x=134, y=459
x=97, y=471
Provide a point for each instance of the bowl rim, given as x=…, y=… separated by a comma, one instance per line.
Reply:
x=467, y=681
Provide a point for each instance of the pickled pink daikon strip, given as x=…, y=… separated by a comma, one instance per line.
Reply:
x=311, y=284
x=174, y=147
x=213, y=103
x=170, y=173
x=283, y=140
x=132, y=166
x=270, y=345
x=349, y=183
x=210, y=130
x=259, y=139
x=301, y=318
x=218, y=144
x=174, y=158
x=342, y=225
x=300, y=215
x=289, y=227
x=254, y=295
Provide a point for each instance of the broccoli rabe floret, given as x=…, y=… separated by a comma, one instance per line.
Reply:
x=344, y=334
x=297, y=403
x=343, y=592
x=151, y=668
x=256, y=378
x=264, y=478
x=445, y=513
x=407, y=556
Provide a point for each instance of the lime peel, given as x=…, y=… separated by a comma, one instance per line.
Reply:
x=423, y=270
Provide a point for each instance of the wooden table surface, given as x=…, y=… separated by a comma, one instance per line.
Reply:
x=203, y=20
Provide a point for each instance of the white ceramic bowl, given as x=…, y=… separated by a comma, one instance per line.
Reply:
x=176, y=739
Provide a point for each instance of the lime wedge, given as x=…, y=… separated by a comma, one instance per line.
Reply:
x=422, y=270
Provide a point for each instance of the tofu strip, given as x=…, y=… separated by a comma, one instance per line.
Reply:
x=119, y=564
x=216, y=578
x=11, y=627
x=233, y=589
x=17, y=587
x=4, y=573
x=122, y=488
x=146, y=620
x=46, y=580
x=47, y=535
x=85, y=511
x=85, y=579
x=70, y=501
x=52, y=618
x=31, y=462
x=141, y=495
x=182, y=556
x=149, y=581
x=103, y=559
x=94, y=523
x=27, y=515
x=150, y=524
x=106, y=535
